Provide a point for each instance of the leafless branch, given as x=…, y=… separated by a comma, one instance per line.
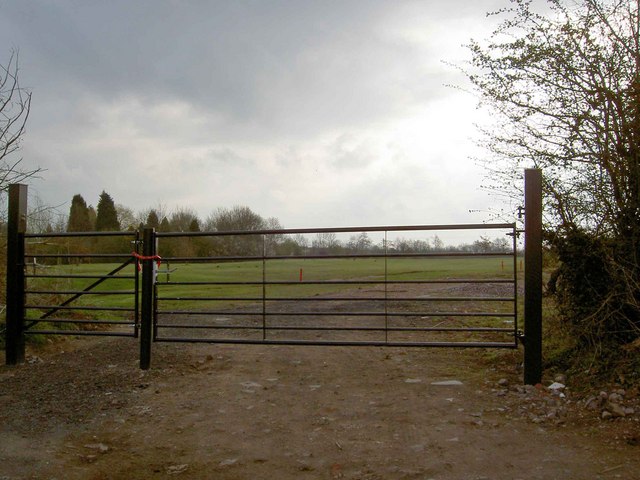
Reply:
x=15, y=106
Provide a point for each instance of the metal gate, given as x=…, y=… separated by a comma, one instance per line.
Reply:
x=68, y=277
x=379, y=294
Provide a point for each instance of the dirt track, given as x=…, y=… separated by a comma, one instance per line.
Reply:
x=238, y=412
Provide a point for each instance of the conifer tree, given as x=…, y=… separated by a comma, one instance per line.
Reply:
x=194, y=226
x=79, y=220
x=152, y=220
x=164, y=225
x=106, y=216
x=92, y=216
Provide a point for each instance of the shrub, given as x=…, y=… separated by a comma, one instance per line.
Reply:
x=596, y=288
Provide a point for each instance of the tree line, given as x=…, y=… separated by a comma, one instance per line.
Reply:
x=109, y=216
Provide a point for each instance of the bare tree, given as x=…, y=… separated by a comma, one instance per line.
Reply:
x=325, y=243
x=15, y=105
x=43, y=218
x=359, y=243
x=237, y=218
x=181, y=219
x=272, y=241
x=126, y=217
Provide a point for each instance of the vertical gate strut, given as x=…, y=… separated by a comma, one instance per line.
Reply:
x=148, y=297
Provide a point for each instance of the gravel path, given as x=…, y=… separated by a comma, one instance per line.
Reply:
x=251, y=412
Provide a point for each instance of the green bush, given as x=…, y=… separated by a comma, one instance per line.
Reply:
x=595, y=287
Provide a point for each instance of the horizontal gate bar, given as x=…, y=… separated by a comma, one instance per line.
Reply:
x=89, y=321
x=338, y=314
x=80, y=234
x=338, y=329
x=348, y=282
x=344, y=299
x=78, y=255
x=105, y=309
x=84, y=333
x=341, y=343
x=81, y=292
x=389, y=256
x=289, y=231
x=70, y=275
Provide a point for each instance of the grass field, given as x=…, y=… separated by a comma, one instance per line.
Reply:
x=183, y=287
x=310, y=270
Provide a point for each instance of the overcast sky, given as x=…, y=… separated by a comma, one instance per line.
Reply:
x=322, y=114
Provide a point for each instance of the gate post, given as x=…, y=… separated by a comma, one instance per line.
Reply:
x=16, y=228
x=148, y=297
x=532, y=276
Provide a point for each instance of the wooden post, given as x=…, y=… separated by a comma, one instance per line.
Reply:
x=533, y=276
x=16, y=228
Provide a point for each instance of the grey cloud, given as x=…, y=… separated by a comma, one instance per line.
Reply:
x=292, y=88
x=228, y=156
x=348, y=152
x=286, y=67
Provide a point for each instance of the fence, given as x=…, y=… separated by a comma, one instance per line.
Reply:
x=50, y=290
x=339, y=296
x=369, y=296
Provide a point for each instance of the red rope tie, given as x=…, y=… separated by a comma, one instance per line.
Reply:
x=139, y=258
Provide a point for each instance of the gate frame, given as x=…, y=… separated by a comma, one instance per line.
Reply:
x=15, y=288
x=147, y=305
